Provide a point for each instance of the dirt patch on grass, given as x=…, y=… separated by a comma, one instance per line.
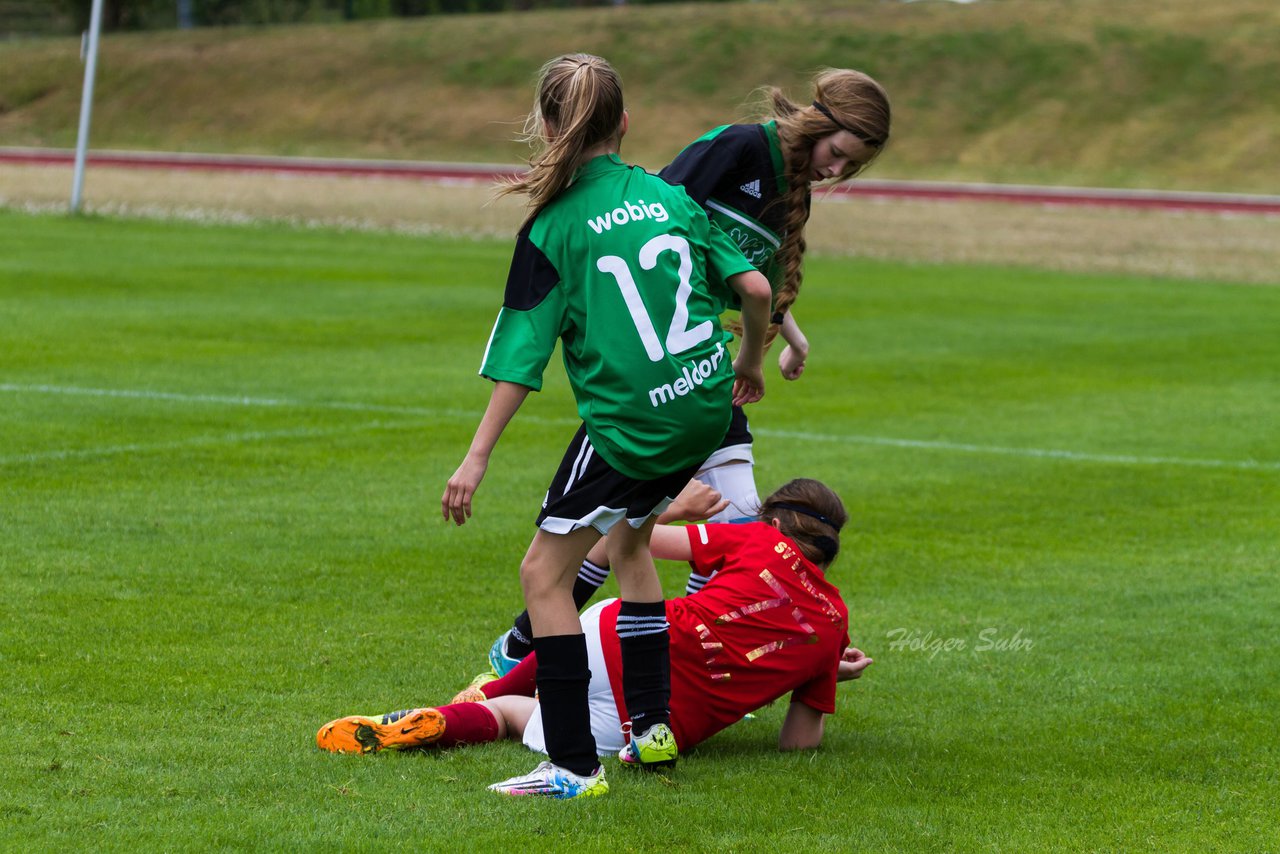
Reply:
x=1244, y=249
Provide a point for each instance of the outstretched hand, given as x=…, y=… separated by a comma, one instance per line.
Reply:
x=456, y=501
x=696, y=502
x=852, y=663
x=503, y=403
x=748, y=383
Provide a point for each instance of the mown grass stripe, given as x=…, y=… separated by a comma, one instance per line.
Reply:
x=885, y=441
x=196, y=442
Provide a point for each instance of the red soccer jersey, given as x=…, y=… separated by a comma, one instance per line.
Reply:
x=769, y=623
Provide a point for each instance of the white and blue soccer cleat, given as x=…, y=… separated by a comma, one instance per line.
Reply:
x=552, y=781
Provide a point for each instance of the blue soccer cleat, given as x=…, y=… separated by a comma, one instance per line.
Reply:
x=499, y=661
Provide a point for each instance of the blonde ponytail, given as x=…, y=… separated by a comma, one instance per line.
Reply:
x=578, y=106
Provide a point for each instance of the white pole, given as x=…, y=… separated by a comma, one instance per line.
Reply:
x=86, y=104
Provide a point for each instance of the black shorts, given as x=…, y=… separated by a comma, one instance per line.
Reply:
x=736, y=446
x=739, y=433
x=587, y=491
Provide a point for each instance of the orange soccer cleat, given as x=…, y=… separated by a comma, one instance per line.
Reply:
x=403, y=730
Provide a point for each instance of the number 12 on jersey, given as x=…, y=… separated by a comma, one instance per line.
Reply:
x=680, y=337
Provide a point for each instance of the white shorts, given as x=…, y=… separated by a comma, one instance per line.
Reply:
x=734, y=479
x=605, y=723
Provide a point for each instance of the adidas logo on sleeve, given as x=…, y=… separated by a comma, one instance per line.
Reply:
x=752, y=188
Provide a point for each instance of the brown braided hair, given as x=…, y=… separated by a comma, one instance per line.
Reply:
x=853, y=101
x=811, y=514
x=580, y=96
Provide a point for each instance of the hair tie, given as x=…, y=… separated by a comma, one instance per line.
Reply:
x=866, y=138
x=805, y=511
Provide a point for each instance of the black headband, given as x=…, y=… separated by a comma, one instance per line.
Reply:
x=828, y=546
x=805, y=511
x=866, y=138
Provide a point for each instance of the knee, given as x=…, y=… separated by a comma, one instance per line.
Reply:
x=536, y=578
x=624, y=545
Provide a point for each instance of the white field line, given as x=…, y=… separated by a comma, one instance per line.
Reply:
x=196, y=442
x=884, y=441
x=227, y=400
x=1037, y=453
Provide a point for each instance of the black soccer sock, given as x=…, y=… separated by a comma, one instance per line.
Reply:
x=590, y=577
x=646, y=663
x=563, y=676
x=520, y=641
x=696, y=582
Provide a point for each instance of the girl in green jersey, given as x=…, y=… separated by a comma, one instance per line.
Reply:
x=755, y=180
x=628, y=274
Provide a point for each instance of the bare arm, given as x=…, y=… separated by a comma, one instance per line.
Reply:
x=503, y=403
x=670, y=542
x=753, y=290
x=792, y=358
x=802, y=730
x=696, y=502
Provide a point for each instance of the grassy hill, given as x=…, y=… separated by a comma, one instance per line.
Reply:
x=1174, y=94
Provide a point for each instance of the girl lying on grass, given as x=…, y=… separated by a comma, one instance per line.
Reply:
x=768, y=623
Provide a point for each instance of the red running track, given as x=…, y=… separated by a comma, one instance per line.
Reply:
x=483, y=173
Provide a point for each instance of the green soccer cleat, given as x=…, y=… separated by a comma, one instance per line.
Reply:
x=473, y=693
x=656, y=748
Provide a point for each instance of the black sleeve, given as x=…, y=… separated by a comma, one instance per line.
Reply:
x=532, y=275
x=708, y=164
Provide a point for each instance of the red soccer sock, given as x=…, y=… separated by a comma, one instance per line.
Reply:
x=521, y=681
x=467, y=723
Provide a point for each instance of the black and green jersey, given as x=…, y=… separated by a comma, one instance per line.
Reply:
x=737, y=173
x=619, y=268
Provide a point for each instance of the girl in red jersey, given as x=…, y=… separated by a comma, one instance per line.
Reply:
x=769, y=623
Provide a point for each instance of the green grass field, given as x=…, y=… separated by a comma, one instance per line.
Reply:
x=221, y=456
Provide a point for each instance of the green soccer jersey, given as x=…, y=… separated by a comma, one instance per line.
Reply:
x=620, y=269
